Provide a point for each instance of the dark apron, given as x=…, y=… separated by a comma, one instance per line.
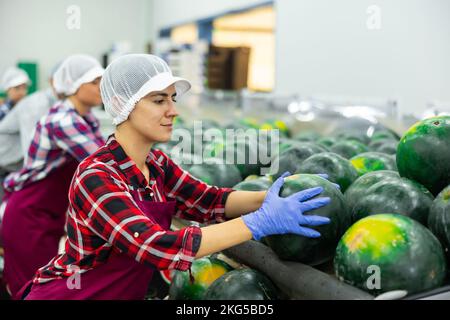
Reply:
x=120, y=278
x=33, y=225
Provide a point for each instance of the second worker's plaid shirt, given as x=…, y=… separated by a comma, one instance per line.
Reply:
x=59, y=136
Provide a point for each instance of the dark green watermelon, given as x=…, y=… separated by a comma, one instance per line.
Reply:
x=235, y=126
x=327, y=141
x=216, y=173
x=291, y=158
x=210, y=124
x=400, y=196
x=242, y=284
x=250, y=122
x=374, y=145
x=353, y=135
x=280, y=125
x=349, y=148
x=439, y=219
x=423, y=153
x=396, y=250
x=287, y=143
x=373, y=161
x=388, y=147
x=360, y=186
x=255, y=184
x=384, y=135
x=178, y=121
x=308, y=250
x=384, y=146
x=249, y=155
x=307, y=136
x=204, y=271
x=339, y=170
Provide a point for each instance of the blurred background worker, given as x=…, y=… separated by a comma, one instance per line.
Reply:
x=17, y=128
x=37, y=195
x=15, y=83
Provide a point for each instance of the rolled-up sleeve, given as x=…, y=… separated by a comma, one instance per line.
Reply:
x=104, y=204
x=196, y=200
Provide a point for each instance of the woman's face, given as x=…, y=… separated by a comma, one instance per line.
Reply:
x=153, y=115
x=15, y=94
x=89, y=93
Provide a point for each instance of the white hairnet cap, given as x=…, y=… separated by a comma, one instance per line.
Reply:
x=130, y=78
x=74, y=71
x=14, y=77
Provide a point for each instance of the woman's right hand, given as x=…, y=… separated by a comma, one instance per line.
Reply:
x=279, y=215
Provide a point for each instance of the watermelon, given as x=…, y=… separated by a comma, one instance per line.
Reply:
x=291, y=158
x=439, y=219
x=384, y=135
x=246, y=154
x=254, y=184
x=276, y=125
x=389, y=147
x=307, y=136
x=214, y=172
x=327, y=141
x=178, y=121
x=242, y=284
x=360, y=186
x=282, y=126
x=384, y=146
x=287, y=143
x=339, y=170
x=308, y=250
x=210, y=124
x=250, y=122
x=373, y=161
x=204, y=271
x=423, y=153
x=349, y=148
x=353, y=135
x=396, y=250
x=236, y=126
x=400, y=196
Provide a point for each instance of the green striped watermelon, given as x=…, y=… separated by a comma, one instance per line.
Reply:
x=388, y=252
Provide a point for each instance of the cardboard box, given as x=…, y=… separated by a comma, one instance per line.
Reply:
x=227, y=67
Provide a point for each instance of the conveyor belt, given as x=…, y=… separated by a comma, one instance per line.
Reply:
x=296, y=280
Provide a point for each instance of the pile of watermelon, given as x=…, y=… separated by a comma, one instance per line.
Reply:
x=210, y=278
x=390, y=226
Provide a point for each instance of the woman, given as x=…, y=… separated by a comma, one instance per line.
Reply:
x=15, y=83
x=123, y=197
x=15, y=133
x=36, y=196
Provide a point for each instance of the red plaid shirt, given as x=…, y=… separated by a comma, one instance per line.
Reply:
x=60, y=136
x=100, y=201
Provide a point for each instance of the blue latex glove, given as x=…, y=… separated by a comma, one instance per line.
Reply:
x=279, y=215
